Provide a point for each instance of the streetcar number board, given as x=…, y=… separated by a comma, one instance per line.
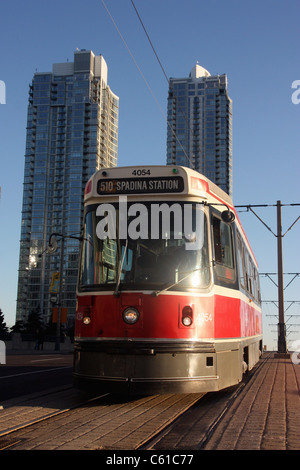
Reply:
x=159, y=184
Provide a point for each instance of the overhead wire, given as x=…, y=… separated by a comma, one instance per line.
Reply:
x=142, y=75
x=148, y=37
x=131, y=55
x=169, y=83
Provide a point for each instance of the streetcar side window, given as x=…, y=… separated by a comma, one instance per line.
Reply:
x=241, y=261
x=248, y=278
x=223, y=249
x=248, y=274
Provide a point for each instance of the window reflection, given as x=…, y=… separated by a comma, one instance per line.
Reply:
x=142, y=263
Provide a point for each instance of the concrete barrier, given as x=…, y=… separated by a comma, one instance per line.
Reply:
x=16, y=343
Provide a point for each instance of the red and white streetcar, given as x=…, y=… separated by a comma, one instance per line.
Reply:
x=168, y=289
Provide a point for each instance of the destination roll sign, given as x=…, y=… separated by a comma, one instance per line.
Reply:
x=159, y=184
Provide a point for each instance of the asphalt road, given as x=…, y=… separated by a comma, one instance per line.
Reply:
x=35, y=372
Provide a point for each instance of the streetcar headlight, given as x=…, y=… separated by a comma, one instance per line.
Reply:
x=86, y=320
x=131, y=315
x=187, y=316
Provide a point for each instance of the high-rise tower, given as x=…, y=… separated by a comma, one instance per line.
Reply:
x=199, y=132
x=72, y=131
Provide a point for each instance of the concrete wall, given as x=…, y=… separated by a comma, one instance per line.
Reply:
x=16, y=344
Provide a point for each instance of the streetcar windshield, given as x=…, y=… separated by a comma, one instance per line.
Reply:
x=138, y=252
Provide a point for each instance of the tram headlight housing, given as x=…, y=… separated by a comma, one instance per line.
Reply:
x=131, y=315
x=86, y=320
x=187, y=316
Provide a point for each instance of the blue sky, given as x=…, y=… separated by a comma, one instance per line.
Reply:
x=255, y=43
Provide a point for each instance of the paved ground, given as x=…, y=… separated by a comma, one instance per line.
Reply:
x=266, y=415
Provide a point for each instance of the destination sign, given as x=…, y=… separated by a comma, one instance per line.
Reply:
x=160, y=184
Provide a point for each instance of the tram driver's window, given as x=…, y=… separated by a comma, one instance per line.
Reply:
x=223, y=248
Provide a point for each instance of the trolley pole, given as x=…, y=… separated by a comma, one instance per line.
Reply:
x=281, y=324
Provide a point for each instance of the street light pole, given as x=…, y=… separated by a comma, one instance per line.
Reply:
x=51, y=248
x=62, y=249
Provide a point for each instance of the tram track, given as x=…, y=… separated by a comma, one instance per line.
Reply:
x=68, y=419
x=19, y=413
x=98, y=423
x=193, y=430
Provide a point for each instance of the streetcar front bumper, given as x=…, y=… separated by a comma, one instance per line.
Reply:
x=150, y=367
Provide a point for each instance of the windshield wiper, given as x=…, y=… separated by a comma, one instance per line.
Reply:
x=156, y=293
x=116, y=293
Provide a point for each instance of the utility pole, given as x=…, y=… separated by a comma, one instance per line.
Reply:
x=281, y=323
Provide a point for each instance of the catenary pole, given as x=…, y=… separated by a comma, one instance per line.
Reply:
x=282, y=344
x=281, y=323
